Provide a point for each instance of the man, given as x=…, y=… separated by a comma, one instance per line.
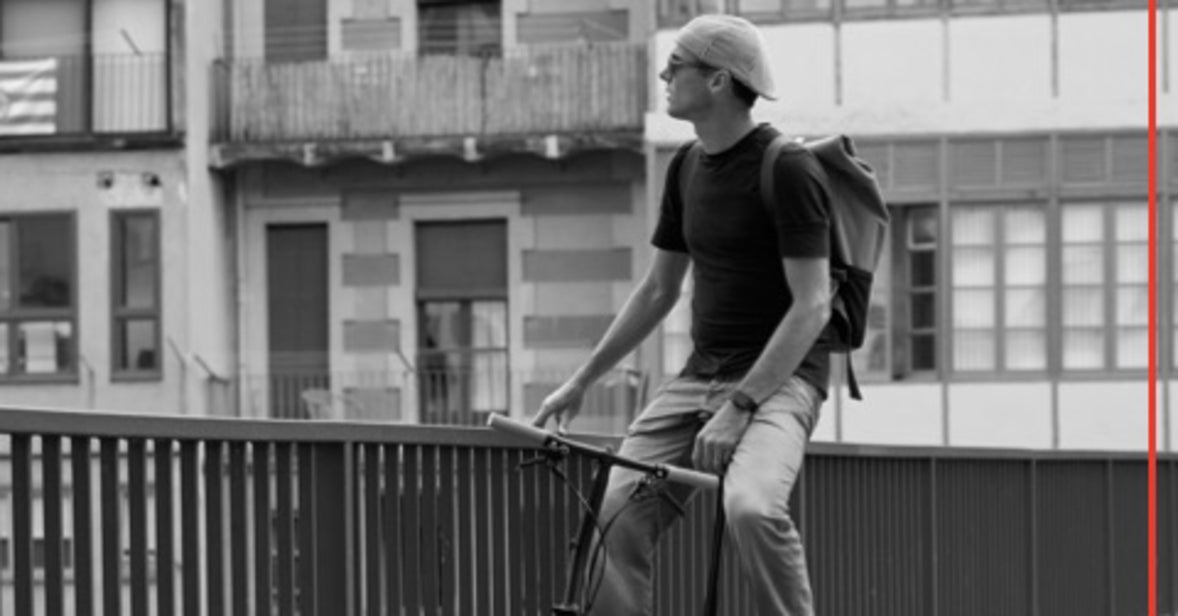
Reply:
x=747, y=401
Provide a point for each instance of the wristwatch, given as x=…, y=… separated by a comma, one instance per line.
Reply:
x=744, y=402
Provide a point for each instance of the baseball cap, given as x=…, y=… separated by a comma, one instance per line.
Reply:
x=733, y=44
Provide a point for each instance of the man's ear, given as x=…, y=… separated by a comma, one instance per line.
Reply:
x=719, y=80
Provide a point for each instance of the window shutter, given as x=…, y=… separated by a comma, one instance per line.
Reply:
x=1023, y=161
x=916, y=166
x=975, y=164
x=1130, y=158
x=462, y=257
x=1083, y=160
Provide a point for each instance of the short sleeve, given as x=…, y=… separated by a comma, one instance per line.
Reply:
x=802, y=213
x=668, y=232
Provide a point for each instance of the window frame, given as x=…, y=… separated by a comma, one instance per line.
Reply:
x=120, y=314
x=15, y=315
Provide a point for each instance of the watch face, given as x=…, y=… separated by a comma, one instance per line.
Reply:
x=743, y=402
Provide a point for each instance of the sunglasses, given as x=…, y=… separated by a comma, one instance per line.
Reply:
x=674, y=65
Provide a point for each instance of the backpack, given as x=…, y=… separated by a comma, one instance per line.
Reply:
x=859, y=224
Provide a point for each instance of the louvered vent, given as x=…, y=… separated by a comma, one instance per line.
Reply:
x=1130, y=158
x=1023, y=162
x=1084, y=160
x=975, y=164
x=916, y=165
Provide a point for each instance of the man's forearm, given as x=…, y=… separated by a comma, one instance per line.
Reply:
x=643, y=311
x=791, y=341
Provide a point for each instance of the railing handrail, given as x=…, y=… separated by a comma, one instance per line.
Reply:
x=108, y=424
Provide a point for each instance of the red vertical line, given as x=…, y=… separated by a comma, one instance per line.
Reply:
x=190, y=527
x=22, y=523
x=371, y=572
x=238, y=529
x=463, y=537
x=284, y=535
x=446, y=536
x=51, y=501
x=429, y=530
x=1152, y=550
x=112, y=583
x=392, y=527
x=165, y=552
x=83, y=529
x=263, y=529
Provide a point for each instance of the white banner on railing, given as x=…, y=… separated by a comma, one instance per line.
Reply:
x=28, y=97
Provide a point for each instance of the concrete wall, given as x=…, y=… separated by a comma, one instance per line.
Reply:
x=69, y=183
x=967, y=74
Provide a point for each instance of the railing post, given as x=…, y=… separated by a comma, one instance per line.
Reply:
x=333, y=521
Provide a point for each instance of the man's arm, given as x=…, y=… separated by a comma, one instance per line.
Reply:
x=646, y=307
x=809, y=283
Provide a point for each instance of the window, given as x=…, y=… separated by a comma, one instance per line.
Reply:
x=461, y=27
x=999, y=288
x=462, y=359
x=915, y=279
x=1104, y=264
x=37, y=298
x=135, y=289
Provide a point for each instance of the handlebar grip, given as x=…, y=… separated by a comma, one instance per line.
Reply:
x=687, y=476
x=522, y=430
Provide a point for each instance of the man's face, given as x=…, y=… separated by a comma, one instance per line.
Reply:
x=688, y=94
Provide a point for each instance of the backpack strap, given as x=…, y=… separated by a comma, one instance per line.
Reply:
x=769, y=199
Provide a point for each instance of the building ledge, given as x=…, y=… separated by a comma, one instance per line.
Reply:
x=91, y=142
x=400, y=150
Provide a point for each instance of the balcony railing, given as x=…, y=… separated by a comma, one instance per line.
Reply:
x=148, y=514
x=532, y=90
x=77, y=96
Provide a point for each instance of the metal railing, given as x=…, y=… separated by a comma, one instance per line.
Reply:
x=535, y=89
x=139, y=514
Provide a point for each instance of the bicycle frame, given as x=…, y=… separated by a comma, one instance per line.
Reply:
x=560, y=446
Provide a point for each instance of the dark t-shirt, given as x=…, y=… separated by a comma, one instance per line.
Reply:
x=740, y=293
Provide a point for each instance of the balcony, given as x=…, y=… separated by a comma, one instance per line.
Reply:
x=105, y=100
x=116, y=514
x=548, y=99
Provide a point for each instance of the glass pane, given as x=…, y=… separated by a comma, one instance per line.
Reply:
x=44, y=347
x=973, y=350
x=1132, y=347
x=489, y=388
x=5, y=267
x=922, y=227
x=759, y=6
x=1083, y=307
x=1083, y=264
x=924, y=352
x=137, y=338
x=1132, y=222
x=924, y=268
x=973, y=227
x=973, y=308
x=4, y=362
x=1083, y=223
x=872, y=357
x=1026, y=265
x=1083, y=349
x=973, y=267
x=1132, y=306
x=139, y=260
x=924, y=310
x=489, y=329
x=1025, y=226
x=441, y=326
x=44, y=247
x=1026, y=308
x=1133, y=263
x=1026, y=350
x=863, y=4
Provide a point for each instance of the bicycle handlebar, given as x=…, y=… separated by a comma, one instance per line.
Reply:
x=545, y=438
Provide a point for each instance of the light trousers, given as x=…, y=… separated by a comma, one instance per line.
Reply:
x=757, y=486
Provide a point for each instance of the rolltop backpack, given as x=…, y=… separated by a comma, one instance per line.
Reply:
x=859, y=225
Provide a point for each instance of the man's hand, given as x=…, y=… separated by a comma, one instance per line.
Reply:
x=564, y=404
x=715, y=444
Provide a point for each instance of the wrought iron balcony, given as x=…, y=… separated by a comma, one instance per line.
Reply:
x=391, y=105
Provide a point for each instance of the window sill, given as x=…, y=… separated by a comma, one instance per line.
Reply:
x=41, y=379
x=136, y=377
